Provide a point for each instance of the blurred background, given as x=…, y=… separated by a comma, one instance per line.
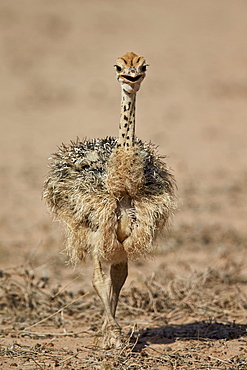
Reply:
x=58, y=82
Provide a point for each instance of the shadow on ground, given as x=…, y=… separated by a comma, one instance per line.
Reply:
x=201, y=331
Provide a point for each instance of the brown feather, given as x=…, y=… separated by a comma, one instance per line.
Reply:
x=87, y=183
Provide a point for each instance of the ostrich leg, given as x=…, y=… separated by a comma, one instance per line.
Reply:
x=119, y=273
x=108, y=290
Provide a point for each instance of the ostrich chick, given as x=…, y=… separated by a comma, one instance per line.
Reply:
x=115, y=195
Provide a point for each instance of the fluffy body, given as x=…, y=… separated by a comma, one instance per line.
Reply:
x=113, y=201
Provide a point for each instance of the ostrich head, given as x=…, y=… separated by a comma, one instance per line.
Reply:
x=130, y=71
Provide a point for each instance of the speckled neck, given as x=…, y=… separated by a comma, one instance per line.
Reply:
x=127, y=120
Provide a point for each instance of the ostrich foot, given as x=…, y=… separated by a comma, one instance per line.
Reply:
x=112, y=337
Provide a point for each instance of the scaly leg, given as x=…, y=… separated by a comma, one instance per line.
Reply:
x=119, y=273
x=108, y=290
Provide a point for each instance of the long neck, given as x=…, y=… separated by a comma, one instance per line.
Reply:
x=127, y=120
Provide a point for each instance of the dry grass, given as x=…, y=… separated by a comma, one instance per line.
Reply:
x=182, y=322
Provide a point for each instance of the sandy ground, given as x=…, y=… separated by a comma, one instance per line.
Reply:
x=57, y=83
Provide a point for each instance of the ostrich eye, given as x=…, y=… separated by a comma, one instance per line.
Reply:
x=118, y=68
x=144, y=68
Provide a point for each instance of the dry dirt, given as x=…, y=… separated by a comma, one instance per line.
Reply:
x=186, y=307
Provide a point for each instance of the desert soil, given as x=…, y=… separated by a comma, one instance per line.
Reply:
x=186, y=307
